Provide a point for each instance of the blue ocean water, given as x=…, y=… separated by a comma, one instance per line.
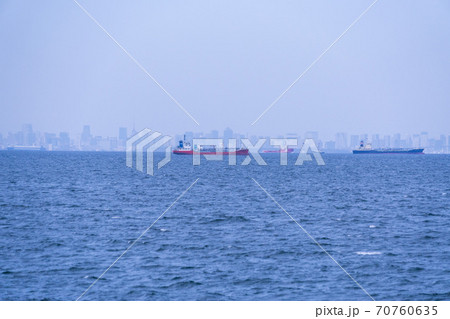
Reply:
x=66, y=217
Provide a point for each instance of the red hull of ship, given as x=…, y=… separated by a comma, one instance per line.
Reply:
x=190, y=152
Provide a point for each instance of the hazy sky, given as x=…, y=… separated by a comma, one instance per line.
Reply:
x=226, y=62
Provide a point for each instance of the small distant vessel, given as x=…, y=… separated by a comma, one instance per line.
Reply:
x=185, y=148
x=283, y=150
x=25, y=148
x=367, y=149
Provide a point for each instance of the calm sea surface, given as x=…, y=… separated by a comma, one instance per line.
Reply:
x=66, y=217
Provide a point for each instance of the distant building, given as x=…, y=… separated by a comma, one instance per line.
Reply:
x=341, y=141
x=50, y=141
x=123, y=133
x=28, y=135
x=64, y=141
x=376, y=141
x=408, y=141
x=416, y=140
x=354, y=141
x=227, y=134
x=443, y=143
x=86, y=138
x=133, y=131
x=396, y=141
x=113, y=143
x=188, y=136
x=387, y=141
x=448, y=144
x=122, y=140
x=424, y=139
x=18, y=139
x=86, y=134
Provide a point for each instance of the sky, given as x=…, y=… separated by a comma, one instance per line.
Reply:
x=226, y=62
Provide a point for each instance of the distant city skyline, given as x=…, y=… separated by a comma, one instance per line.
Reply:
x=220, y=131
x=341, y=142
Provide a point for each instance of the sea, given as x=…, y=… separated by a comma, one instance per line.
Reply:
x=84, y=226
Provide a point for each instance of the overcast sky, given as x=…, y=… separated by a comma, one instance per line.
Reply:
x=225, y=62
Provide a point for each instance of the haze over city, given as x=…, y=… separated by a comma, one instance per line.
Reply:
x=226, y=63
x=342, y=142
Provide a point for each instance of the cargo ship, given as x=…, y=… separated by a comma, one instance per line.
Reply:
x=283, y=150
x=367, y=149
x=185, y=148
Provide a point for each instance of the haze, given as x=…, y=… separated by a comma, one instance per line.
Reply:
x=225, y=62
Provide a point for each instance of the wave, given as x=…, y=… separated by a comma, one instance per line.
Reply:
x=368, y=253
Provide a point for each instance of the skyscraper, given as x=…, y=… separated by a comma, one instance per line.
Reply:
x=123, y=133
x=341, y=141
x=28, y=136
x=227, y=134
x=86, y=138
x=448, y=144
x=424, y=139
x=443, y=142
x=86, y=134
x=64, y=141
x=376, y=140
